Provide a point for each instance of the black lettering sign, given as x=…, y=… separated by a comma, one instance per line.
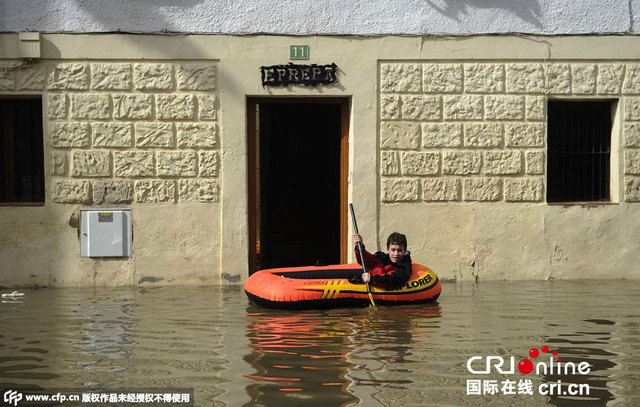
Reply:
x=294, y=74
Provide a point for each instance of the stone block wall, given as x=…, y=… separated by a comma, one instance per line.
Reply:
x=476, y=131
x=122, y=132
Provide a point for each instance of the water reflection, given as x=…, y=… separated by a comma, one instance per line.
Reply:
x=333, y=357
x=24, y=345
x=583, y=346
x=233, y=354
x=297, y=357
x=105, y=327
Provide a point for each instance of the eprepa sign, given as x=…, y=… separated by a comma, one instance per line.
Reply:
x=295, y=74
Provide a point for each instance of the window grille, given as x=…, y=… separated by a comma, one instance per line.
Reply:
x=21, y=151
x=579, y=144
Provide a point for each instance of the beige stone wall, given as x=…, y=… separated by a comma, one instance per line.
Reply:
x=447, y=143
x=476, y=131
x=122, y=132
x=463, y=167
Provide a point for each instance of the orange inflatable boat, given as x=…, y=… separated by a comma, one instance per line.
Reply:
x=329, y=287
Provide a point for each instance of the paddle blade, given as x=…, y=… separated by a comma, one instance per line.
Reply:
x=373, y=304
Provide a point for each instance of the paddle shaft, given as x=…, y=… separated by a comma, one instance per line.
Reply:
x=364, y=267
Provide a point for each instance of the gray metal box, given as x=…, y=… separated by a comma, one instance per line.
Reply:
x=105, y=232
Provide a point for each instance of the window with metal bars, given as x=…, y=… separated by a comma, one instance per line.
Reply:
x=579, y=145
x=21, y=151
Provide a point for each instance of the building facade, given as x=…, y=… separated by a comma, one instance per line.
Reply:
x=499, y=155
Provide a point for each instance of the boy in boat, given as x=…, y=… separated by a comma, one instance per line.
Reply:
x=392, y=268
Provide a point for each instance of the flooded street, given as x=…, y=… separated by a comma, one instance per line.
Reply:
x=212, y=341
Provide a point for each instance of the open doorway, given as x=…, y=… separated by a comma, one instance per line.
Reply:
x=297, y=181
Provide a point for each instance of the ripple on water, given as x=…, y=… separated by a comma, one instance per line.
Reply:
x=234, y=353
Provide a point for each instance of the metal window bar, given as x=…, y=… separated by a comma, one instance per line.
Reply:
x=21, y=150
x=579, y=141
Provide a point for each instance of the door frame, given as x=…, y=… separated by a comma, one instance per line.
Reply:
x=253, y=167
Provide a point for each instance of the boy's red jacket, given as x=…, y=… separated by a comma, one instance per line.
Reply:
x=383, y=270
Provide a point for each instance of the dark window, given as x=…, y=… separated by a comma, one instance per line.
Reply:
x=579, y=141
x=21, y=155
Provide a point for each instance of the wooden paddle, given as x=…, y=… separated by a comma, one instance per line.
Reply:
x=364, y=268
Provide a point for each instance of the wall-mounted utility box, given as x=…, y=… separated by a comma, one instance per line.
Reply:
x=105, y=232
x=29, y=44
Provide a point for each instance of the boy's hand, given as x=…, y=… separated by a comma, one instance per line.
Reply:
x=366, y=277
x=357, y=239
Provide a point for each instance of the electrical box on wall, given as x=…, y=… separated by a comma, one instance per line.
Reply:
x=105, y=232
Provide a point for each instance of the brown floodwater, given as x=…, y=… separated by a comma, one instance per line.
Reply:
x=228, y=352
